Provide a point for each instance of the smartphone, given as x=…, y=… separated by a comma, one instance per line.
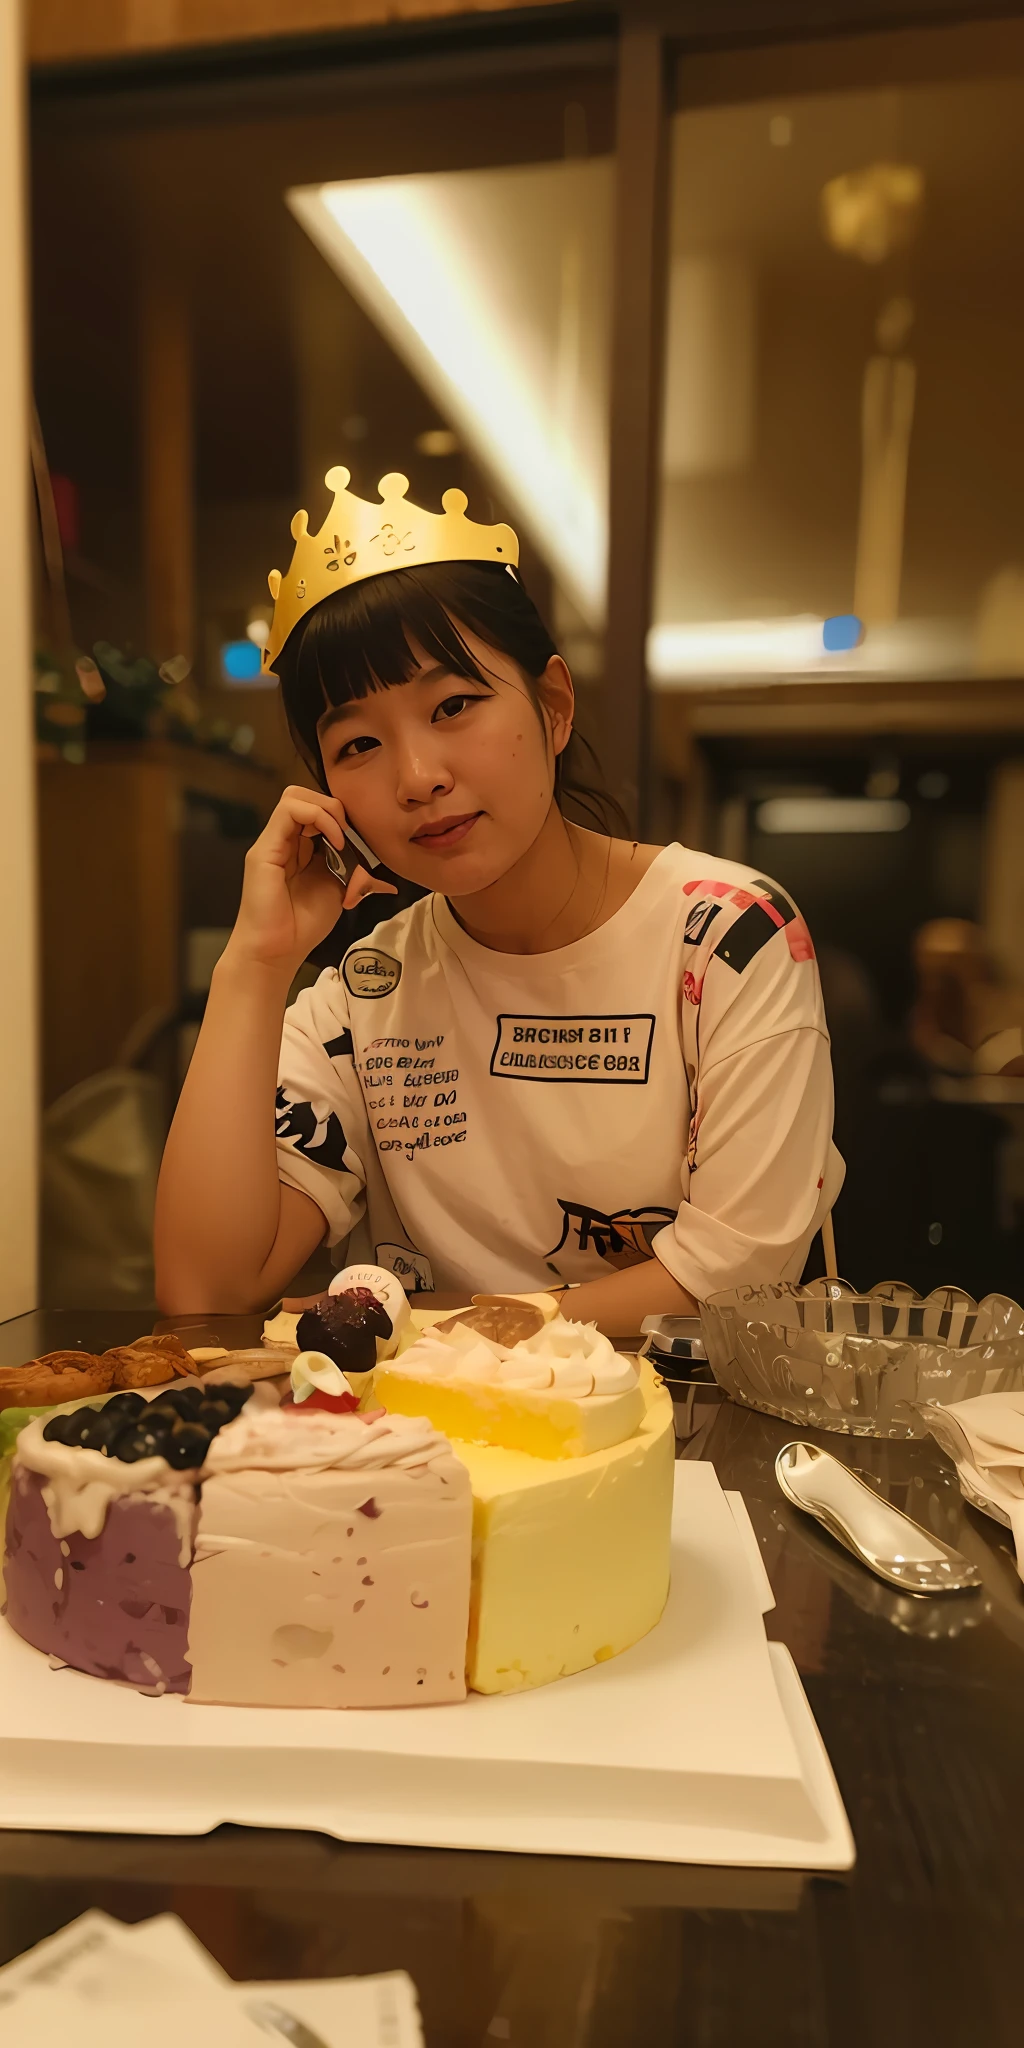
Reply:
x=342, y=868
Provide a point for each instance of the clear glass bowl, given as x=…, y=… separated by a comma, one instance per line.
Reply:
x=826, y=1356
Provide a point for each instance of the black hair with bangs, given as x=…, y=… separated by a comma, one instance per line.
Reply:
x=358, y=641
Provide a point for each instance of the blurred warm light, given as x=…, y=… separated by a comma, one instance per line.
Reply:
x=681, y=657
x=258, y=629
x=492, y=288
x=437, y=441
x=733, y=647
x=804, y=814
x=871, y=212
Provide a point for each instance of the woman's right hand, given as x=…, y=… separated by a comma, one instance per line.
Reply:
x=290, y=899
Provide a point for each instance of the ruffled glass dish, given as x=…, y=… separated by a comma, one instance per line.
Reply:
x=828, y=1357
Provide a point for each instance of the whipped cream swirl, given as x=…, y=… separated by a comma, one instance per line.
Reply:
x=279, y=1440
x=571, y=1360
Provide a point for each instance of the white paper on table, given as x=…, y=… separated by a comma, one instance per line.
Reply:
x=100, y=1984
x=96, y=1957
x=59, y=2019
x=349, y=2012
x=358, y=2012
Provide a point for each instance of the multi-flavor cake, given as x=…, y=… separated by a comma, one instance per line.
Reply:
x=426, y=1502
x=242, y=1551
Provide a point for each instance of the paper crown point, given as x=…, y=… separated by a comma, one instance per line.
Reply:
x=359, y=539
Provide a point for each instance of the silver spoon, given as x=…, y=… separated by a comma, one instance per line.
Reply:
x=893, y=1546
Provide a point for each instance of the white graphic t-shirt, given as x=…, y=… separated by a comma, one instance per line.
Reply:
x=481, y=1120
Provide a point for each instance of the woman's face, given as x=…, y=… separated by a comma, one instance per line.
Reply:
x=448, y=781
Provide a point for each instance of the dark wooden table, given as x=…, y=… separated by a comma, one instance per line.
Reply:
x=921, y=1705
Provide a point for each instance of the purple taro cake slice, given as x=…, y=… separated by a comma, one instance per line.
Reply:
x=101, y=1532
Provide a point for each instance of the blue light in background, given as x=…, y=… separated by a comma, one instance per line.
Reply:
x=841, y=633
x=240, y=661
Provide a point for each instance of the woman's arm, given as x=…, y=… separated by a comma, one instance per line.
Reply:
x=227, y=1235
x=619, y=1302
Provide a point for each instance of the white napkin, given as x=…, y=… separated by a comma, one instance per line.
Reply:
x=99, y=1984
x=985, y=1439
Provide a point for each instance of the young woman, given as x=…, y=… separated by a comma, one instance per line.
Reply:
x=576, y=1060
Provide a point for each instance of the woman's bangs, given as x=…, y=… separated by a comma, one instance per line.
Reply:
x=362, y=641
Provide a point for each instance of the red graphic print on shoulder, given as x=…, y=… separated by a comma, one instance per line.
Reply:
x=799, y=940
x=708, y=888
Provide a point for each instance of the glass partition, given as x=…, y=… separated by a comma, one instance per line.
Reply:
x=837, y=644
x=843, y=439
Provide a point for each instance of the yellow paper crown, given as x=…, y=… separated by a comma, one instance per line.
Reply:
x=358, y=539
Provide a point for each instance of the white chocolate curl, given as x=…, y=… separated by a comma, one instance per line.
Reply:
x=314, y=1373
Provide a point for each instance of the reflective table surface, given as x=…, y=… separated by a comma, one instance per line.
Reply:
x=921, y=1706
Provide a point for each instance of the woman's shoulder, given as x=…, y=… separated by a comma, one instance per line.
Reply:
x=371, y=966
x=697, y=875
x=685, y=872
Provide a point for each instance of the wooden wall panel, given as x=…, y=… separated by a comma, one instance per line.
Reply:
x=60, y=30
x=18, y=999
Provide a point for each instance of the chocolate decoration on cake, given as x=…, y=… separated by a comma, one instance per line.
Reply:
x=345, y=1327
x=501, y=1319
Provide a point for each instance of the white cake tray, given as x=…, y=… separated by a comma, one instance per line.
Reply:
x=695, y=1746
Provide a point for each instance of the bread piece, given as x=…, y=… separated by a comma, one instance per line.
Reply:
x=150, y=1362
x=58, y=1376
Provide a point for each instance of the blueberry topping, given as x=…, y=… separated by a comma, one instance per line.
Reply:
x=163, y=1413
x=213, y=1414
x=125, y=1405
x=178, y=1426
x=187, y=1445
x=137, y=1441
x=186, y=1400
x=63, y=1429
x=98, y=1430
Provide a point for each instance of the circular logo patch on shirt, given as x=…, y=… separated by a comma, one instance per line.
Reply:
x=369, y=973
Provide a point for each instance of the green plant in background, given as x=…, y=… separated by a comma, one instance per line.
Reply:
x=62, y=695
x=117, y=696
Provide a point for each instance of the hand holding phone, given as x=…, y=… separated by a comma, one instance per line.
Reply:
x=354, y=867
x=341, y=865
x=290, y=899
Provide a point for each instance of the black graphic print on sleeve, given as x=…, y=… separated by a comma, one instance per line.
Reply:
x=320, y=1138
x=340, y=1048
